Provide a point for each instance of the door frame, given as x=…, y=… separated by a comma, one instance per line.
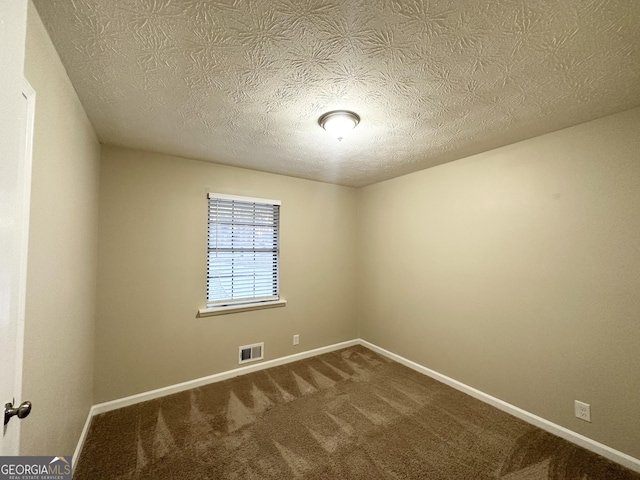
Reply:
x=22, y=218
x=26, y=153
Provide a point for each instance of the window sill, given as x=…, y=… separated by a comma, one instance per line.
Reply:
x=211, y=311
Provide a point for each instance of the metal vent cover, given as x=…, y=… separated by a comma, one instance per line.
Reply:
x=251, y=353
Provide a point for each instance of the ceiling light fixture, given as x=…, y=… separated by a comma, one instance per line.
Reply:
x=339, y=122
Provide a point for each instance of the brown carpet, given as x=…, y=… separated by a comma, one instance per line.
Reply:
x=350, y=414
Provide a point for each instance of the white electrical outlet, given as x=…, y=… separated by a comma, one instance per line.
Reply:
x=583, y=411
x=296, y=339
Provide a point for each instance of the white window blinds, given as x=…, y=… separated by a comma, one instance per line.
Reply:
x=244, y=251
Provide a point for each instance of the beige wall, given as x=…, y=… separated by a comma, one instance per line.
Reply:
x=152, y=271
x=61, y=276
x=517, y=272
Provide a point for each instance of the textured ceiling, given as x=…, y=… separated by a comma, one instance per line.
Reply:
x=243, y=82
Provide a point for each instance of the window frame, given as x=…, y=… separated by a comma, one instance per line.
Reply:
x=223, y=306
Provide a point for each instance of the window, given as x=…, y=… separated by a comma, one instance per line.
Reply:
x=243, y=251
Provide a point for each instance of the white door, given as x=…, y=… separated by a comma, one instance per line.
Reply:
x=13, y=210
x=14, y=234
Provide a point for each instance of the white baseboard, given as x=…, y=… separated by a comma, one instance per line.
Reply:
x=83, y=437
x=218, y=377
x=198, y=382
x=623, y=459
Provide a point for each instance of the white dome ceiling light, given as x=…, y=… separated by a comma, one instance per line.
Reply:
x=339, y=122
